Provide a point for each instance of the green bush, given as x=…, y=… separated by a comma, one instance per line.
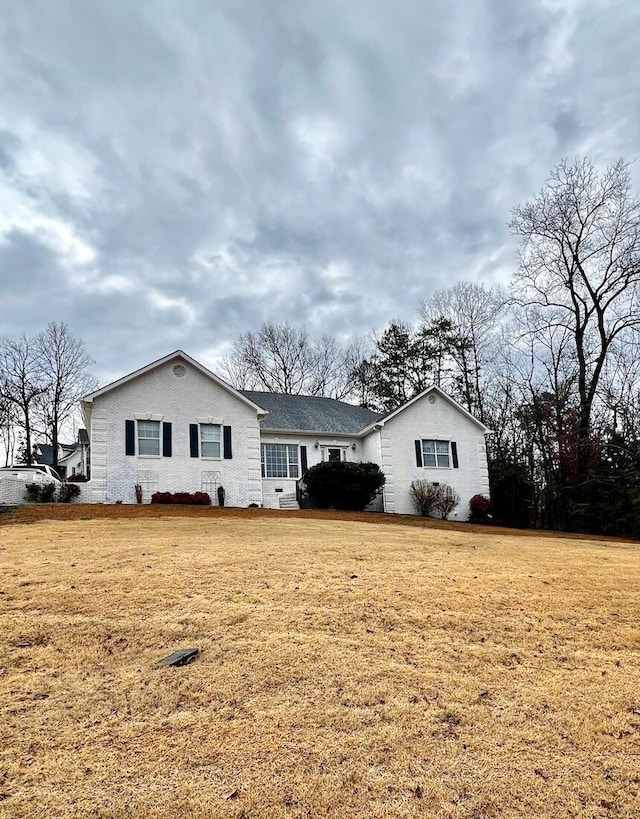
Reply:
x=68, y=492
x=40, y=492
x=46, y=492
x=32, y=492
x=343, y=484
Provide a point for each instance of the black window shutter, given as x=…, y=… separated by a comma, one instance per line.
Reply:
x=418, y=453
x=193, y=440
x=130, y=437
x=166, y=439
x=454, y=454
x=226, y=438
x=303, y=460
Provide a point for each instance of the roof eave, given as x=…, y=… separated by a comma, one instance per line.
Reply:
x=311, y=432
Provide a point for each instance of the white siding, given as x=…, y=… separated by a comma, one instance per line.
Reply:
x=180, y=401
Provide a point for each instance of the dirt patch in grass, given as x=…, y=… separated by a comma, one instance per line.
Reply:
x=346, y=669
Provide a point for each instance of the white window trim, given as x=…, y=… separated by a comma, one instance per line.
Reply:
x=324, y=451
x=263, y=461
x=208, y=422
x=439, y=439
x=158, y=420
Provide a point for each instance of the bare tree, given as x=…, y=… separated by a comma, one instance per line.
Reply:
x=8, y=436
x=473, y=312
x=22, y=382
x=284, y=359
x=619, y=392
x=65, y=364
x=580, y=264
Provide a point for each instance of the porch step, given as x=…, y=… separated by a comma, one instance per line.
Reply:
x=288, y=501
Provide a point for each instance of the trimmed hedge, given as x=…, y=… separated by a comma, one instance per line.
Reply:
x=343, y=484
x=47, y=492
x=183, y=498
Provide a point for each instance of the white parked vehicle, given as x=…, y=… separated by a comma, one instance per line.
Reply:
x=35, y=473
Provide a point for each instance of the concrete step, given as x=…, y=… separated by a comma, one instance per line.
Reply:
x=288, y=501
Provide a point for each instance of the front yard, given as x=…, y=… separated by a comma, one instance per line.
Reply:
x=347, y=669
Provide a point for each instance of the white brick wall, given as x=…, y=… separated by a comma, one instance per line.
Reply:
x=12, y=491
x=180, y=401
x=314, y=456
x=398, y=460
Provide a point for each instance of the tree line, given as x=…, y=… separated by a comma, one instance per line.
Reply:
x=550, y=364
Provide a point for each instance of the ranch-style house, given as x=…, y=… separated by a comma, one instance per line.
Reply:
x=175, y=426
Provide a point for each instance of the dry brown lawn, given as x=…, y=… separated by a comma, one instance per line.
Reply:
x=347, y=669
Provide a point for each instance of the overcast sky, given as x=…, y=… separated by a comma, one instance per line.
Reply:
x=172, y=174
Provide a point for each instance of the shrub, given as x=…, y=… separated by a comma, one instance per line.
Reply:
x=447, y=501
x=424, y=496
x=47, y=492
x=68, y=492
x=479, y=509
x=183, y=498
x=40, y=492
x=32, y=492
x=343, y=484
x=431, y=500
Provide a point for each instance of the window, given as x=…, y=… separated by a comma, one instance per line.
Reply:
x=209, y=440
x=148, y=437
x=436, y=454
x=279, y=461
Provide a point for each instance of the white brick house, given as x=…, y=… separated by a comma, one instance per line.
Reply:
x=175, y=426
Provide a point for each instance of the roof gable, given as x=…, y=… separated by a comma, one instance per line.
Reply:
x=433, y=389
x=178, y=355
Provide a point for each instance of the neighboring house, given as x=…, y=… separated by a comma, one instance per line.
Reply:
x=73, y=459
x=175, y=426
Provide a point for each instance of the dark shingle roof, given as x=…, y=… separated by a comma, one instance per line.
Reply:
x=46, y=454
x=310, y=413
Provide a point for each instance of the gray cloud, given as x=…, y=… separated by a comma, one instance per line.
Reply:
x=172, y=175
